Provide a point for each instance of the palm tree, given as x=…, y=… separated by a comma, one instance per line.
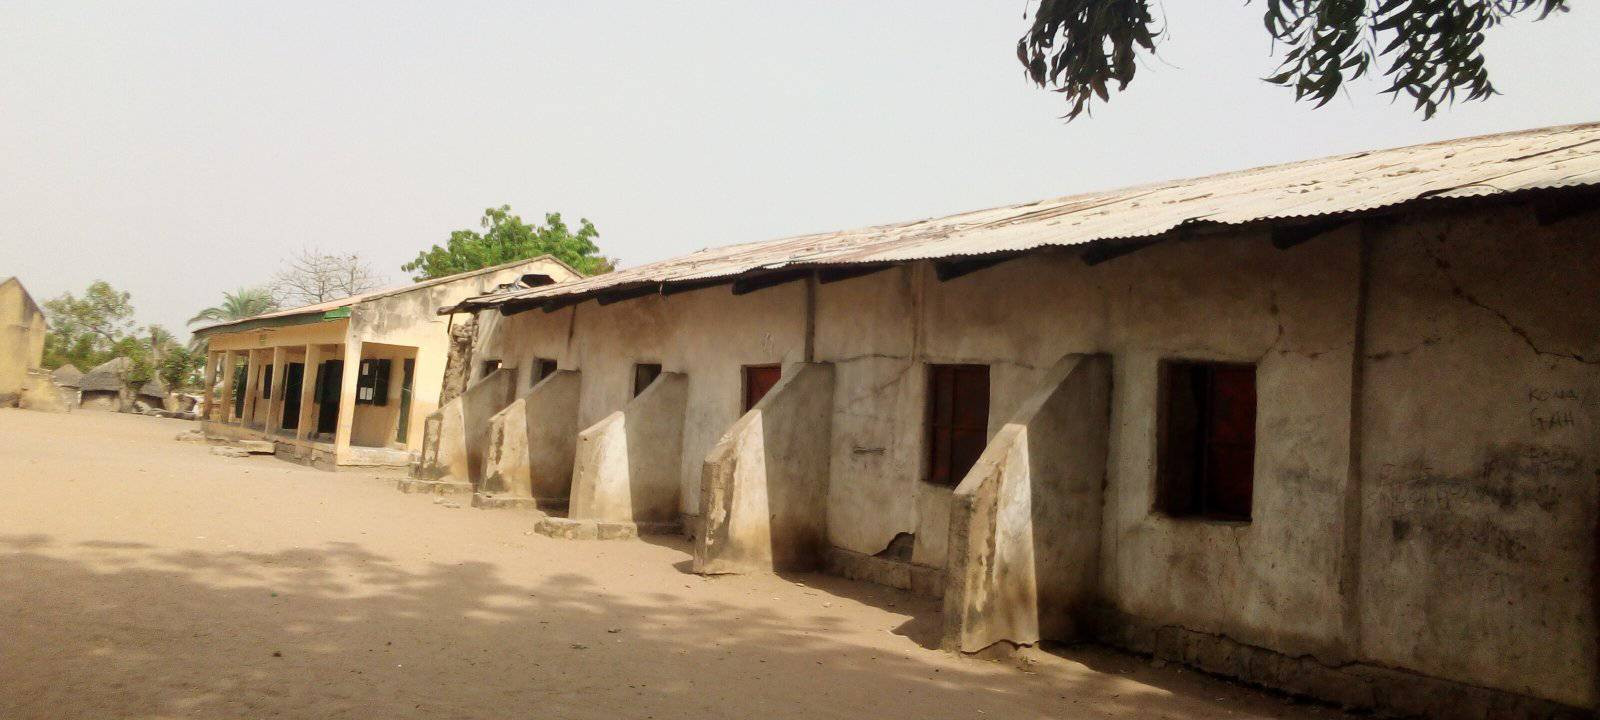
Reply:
x=247, y=302
x=161, y=342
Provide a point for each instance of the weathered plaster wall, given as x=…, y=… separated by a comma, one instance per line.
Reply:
x=530, y=444
x=701, y=334
x=467, y=425
x=1480, y=453
x=764, y=496
x=22, y=329
x=1465, y=550
x=411, y=319
x=1274, y=581
x=627, y=465
x=39, y=392
x=1025, y=526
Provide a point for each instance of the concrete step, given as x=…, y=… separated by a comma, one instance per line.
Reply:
x=433, y=487
x=492, y=501
x=257, y=447
x=569, y=529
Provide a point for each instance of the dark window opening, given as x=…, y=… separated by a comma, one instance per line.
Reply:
x=489, y=366
x=643, y=375
x=1207, y=440
x=758, y=381
x=958, y=420
x=372, y=382
x=266, y=382
x=540, y=369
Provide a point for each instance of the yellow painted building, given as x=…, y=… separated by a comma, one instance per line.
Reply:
x=346, y=383
x=22, y=329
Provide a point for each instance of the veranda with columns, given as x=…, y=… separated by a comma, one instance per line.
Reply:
x=348, y=382
x=296, y=386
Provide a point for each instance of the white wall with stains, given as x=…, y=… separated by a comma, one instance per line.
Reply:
x=1455, y=539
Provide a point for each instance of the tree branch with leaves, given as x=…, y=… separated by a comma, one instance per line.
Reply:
x=1431, y=51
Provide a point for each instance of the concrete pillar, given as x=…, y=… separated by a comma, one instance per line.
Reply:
x=208, y=401
x=347, y=399
x=764, y=487
x=308, y=410
x=252, y=376
x=1025, y=521
x=227, y=386
x=627, y=466
x=275, y=403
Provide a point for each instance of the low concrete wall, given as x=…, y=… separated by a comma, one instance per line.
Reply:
x=463, y=429
x=530, y=442
x=627, y=464
x=764, y=489
x=101, y=401
x=1025, y=522
x=39, y=392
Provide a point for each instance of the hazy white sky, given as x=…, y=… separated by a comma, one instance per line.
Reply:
x=179, y=149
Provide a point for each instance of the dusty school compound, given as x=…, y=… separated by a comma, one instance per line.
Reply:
x=1326, y=427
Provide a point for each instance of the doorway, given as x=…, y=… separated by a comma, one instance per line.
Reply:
x=239, y=372
x=330, y=383
x=294, y=376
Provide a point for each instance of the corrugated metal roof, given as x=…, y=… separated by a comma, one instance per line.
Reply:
x=1553, y=157
x=334, y=309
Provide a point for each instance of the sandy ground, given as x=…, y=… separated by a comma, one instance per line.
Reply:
x=142, y=577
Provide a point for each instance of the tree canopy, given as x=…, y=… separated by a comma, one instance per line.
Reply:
x=238, y=305
x=505, y=238
x=89, y=330
x=1429, y=50
x=85, y=330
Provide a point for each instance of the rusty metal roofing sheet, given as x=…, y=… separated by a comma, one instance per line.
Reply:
x=1552, y=157
x=340, y=308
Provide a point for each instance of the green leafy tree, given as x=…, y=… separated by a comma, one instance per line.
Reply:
x=1429, y=50
x=245, y=303
x=142, y=366
x=505, y=238
x=84, y=330
x=180, y=368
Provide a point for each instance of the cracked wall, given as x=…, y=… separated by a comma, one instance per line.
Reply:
x=1480, y=452
x=1465, y=551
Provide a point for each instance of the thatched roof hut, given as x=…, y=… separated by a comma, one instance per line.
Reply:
x=154, y=389
x=101, y=382
x=67, y=375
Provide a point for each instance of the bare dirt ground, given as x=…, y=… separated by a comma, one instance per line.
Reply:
x=142, y=577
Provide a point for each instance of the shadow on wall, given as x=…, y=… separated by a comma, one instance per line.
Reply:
x=123, y=629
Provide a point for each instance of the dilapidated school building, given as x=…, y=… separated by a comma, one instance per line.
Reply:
x=346, y=383
x=1329, y=426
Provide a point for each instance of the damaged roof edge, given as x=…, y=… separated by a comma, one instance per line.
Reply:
x=335, y=309
x=1494, y=168
x=1287, y=232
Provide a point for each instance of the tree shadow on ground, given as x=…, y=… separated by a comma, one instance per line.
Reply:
x=123, y=630
x=924, y=627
